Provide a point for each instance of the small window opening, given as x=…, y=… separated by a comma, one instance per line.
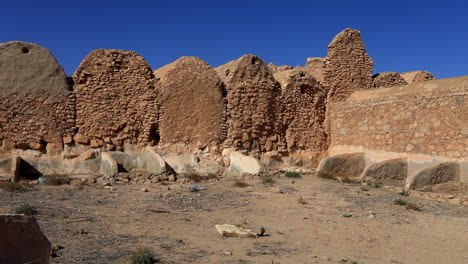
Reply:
x=24, y=50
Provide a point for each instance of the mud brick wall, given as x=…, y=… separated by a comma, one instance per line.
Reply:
x=417, y=76
x=303, y=102
x=193, y=103
x=387, y=79
x=116, y=100
x=36, y=105
x=422, y=118
x=252, y=105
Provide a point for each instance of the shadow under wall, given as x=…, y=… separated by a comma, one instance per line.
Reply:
x=27, y=172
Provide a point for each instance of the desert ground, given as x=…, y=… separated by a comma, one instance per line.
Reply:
x=307, y=220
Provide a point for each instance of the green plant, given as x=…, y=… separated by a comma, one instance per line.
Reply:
x=364, y=189
x=27, y=209
x=268, y=180
x=326, y=176
x=352, y=181
x=144, y=256
x=376, y=184
x=404, y=193
x=240, y=184
x=57, y=179
x=400, y=202
x=11, y=186
x=413, y=206
x=293, y=174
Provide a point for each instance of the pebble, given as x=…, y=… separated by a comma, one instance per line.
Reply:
x=144, y=190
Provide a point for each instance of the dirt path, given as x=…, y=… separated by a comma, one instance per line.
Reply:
x=96, y=225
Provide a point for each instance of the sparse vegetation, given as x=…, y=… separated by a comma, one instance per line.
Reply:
x=350, y=261
x=376, y=185
x=268, y=180
x=413, y=206
x=400, y=202
x=11, y=186
x=144, y=256
x=293, y=174
x=27, y=209
x=364, y=189
x=57, y=179
x=326, y=176
x=240, y=184
x=404, y=193
x=195, y=177
x=352, y=181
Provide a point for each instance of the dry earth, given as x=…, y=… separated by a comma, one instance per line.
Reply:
x=95, y=225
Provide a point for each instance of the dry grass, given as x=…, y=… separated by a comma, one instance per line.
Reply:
x=11, y=186
x=268, y=180
x=351, y=181
x=240, y=184
x=293, y=174
x=144, y=256
x=57, y=179
x=326, y=176
x=301, y=200
x=27, y=209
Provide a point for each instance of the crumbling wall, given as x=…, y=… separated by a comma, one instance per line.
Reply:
x=417, y=76
x=421, y=118
x=116, y=100
x=303, y=102
x=348, y=68
x=36, y=103
x=193, y=103
x=316, y=67
x=273, y=68
x=387, y=79
x=253, y=101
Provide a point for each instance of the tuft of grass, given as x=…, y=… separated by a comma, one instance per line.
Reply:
x=400, y=202
x=27, y=209
x=268, y=180
x=240, y=184
x=352, y=181
x=11, y=186
x=144, y=256
x=211, y=176
x=193, y=176
x=57, y=179
x=376, y=184
x=364, y=189
x=301, y=200
x=413, y=206
x=326, y=176
x=404, y=193
x=293, y=174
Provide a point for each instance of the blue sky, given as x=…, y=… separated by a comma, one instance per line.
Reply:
x=399, y=35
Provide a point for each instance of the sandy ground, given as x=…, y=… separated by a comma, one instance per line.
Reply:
x=95, y=225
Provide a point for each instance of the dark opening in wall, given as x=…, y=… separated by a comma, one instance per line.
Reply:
x=24, y=50
x=154, y=134
x=253, y=61
x=27, y=171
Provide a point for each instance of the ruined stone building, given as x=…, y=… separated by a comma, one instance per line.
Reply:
x=116, y=112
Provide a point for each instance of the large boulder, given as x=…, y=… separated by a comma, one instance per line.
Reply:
x=117, y=101
x=36, y=103
x=389, y=172
x=303, y=101
x=387, y=79
x=22, y=240
x=417, y=76
x=440, y=173
x=253, y=101
x=344, y=165
x=240, y=163
x=348, y=68
x=193, y=103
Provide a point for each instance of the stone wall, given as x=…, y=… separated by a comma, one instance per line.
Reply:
x=417, y=76
x=421, y=118
x=36, y=104
x=116, y=99
x=193, y=103
x=387, y=79
x=303, y=102
x=316, y=67
x=252, y=104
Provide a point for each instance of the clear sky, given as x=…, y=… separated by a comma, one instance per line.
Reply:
x=399, y=35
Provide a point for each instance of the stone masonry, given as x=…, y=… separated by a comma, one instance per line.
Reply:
x=417, y=76
x=387, y=79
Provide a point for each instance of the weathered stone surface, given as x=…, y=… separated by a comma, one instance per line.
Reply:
x=36, y=103
x=302, y=115
x=387, y=79
x=316, y=67
x=417, y=76
x=193, y=103
x=116, y=98
x=22, y=240
x=440, y=173
x=273, y=68
x=348, y=68
x=387, y=172
x=109, y=166
x=253, y=99
x=240, y=163
x=345, y=165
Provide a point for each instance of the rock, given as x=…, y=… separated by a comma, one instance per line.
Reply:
x=144, y=190
x=81, y=139
x=240, y=163
x=456, y=201
x=68, y=140
x=234, y=231
x=54, y=148
x=96, y=143
x=172, y=178
x=440, y=173
x=387, y=172
x=22, y=240
x=88, y=155
x=344, y=166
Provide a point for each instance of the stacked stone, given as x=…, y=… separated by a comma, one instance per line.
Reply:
x=387, y=79
x=316, y=67
x=348, y=68
x=253, y=102
x=303, y=101
x=273, y=68
x=417, y=76
x=193, y=103
x=36, y=104
x=116, y=100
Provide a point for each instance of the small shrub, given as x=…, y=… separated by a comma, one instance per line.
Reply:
x=364, y=189
x=11, y=186
x=193, y=176
x=404, y=193
x=143, y=257
x=240, y=184
x=57, y=179
x=400, y=202
x=301, y=200
x=326, y=176
x=293, y=174
x=413, y=206
x=376, y=185
x=268, y=180
x=352, y=181
x=211, y=176
x=27, y=209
